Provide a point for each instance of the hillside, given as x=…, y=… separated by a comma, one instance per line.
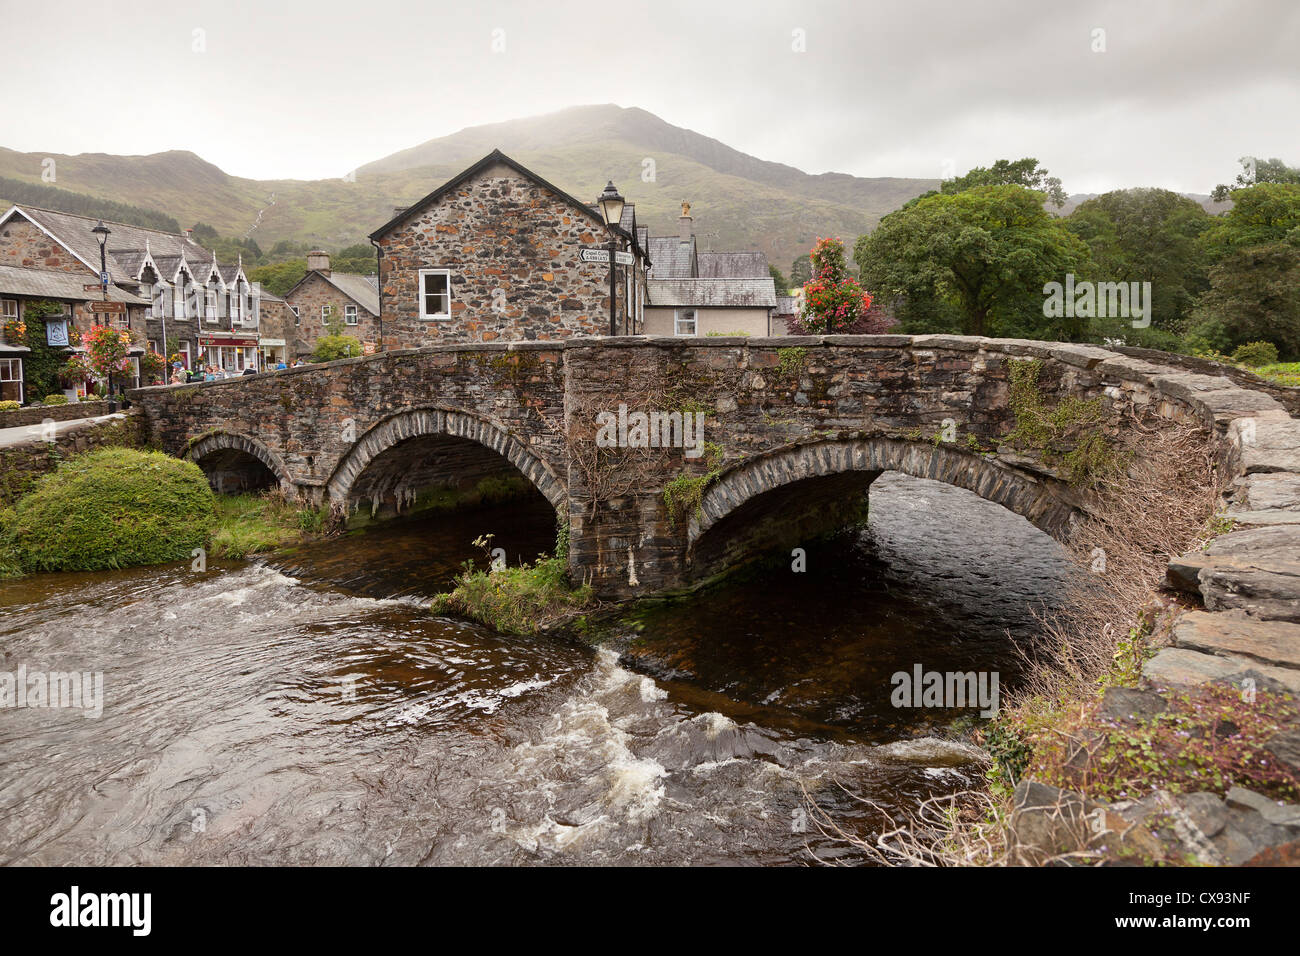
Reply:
x=739, y=201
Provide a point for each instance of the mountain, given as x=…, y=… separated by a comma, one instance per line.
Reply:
x=738, y=200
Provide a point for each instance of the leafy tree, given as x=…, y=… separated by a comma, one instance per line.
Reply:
x=335, y=346
x=1256, y=171
x=782, y=287
x=1254, y=296
x=833, y=299
x=975, y=261
x=204, y=234
x=1260, y=215
x=1021, y=172
x=1148, y=235
x=800, y=272
x=279, y=278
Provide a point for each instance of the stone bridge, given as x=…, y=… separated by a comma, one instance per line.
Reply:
x=797, y=429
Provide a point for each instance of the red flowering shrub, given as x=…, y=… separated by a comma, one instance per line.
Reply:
x=833, y=300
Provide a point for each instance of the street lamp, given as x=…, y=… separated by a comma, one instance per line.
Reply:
x=102, y=232
x=611, y=209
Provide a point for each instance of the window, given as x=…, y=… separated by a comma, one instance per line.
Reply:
x=435, y=294
x=210, y=304
x=297, y=319
x=325, y=311
x=10, y=310
x=684, y=322
x=350, y=315
x=185, y=351
x=11, y=380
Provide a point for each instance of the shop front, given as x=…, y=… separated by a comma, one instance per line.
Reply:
x=228, y=354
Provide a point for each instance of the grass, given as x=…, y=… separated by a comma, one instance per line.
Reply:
x=250, y=524
x=1281, y=373
x=525, y=600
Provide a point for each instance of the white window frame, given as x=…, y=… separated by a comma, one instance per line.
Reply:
x=349, y=315
x=678, y=319
x=297, y=317
x=423, y=297
x=325, y=312
x=9, y=364
x=4, y=309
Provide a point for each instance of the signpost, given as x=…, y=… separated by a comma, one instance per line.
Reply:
x=602, y=255
x=118, y=308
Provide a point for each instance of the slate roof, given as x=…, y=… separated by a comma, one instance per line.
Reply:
x=713, y=293
x=731, y=265
x=671, y=258
x=125, y=240
x=16, y=280
x=786, y=305
x=357, y=288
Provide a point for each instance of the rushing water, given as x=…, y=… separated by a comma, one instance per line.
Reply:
x=316, y=713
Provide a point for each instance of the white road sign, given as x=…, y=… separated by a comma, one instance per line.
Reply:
x=602, y=255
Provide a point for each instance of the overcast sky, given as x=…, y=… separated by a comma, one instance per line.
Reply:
x=910, y=88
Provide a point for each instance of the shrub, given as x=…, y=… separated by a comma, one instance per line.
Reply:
x=1255, y=354
x=521, y=600
x=331, y=347
x=54, y=400
x=112, y=508
x=8, y=406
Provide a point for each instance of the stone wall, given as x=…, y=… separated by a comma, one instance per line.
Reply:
x=35, y=414
x=316, y=292
x=513, y=251
x=24, y=244
x=777, y=411
x=22, y=464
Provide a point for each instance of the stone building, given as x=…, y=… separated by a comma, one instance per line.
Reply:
x=180, y=299
x=691, y=292
x=496, y=253
x=322, y=296
x=50, y=257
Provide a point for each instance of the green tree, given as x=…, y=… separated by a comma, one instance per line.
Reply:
x=1260, y=215
x=778, y=280
x=800, y=272
x=1005, y=172
x=1148, y=235
x=279, y=278
x=1255, y=171
x=335, y=345
x=1254, y=296
x=976, y=260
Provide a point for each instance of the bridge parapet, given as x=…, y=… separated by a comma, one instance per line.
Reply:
x=795, y=426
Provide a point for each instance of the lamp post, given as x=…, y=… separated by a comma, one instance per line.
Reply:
x=102, y=232
x=611, y=209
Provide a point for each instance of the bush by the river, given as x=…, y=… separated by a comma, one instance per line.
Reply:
x=111, y=508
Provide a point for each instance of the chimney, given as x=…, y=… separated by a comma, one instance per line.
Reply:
x=318, y=261
x=685, y=223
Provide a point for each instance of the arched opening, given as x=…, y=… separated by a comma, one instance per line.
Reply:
x=236, y=464
x=424, y=460
x=234, y=472
x=430, y=473
x=797, y=494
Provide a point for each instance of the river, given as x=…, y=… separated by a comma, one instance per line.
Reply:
x=313, y=712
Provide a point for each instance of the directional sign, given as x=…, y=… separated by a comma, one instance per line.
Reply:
x=108, y=307
x=602, y=255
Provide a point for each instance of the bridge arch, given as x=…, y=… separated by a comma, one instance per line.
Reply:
x=849, y=467
x=414, y=423
x=230, y=461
